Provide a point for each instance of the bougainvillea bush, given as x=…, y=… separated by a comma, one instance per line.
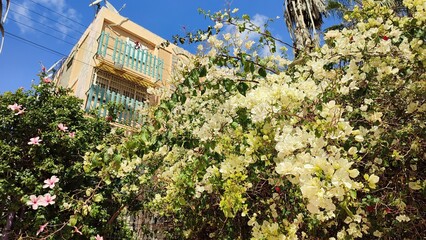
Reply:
x=44, y=192
x=330, y=145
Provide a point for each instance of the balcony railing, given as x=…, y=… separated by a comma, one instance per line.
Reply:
x=126, y=55
x=114, y=107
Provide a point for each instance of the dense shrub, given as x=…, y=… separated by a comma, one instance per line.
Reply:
x=44, y=191
x=330, y=145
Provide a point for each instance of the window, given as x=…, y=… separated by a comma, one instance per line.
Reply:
x=137, y=49
x=69, y=63
x=121, y=86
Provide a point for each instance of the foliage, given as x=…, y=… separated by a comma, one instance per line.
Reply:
x=44, y=133
x=248, y=146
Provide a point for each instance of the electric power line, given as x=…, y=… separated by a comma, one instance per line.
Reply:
x=48, y=34
x=35, y=44
x=42, y=24
x=60, y=14
x=39, y=46
x=53, y=20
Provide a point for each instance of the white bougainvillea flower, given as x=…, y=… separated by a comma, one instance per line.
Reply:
x=402, y=218
x=372, y=180
x=50, y=183
x=99, y=237
x=34, y=141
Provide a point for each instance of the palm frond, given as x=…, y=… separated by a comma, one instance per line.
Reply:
x=2, y=36
x=3, y=20
x=6, y=11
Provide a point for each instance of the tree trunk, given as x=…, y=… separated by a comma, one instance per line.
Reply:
x=9, y=223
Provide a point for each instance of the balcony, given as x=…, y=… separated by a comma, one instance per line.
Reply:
x=114, y=106
x=124, y=54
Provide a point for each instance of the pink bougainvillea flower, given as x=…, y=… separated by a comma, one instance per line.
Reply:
x=99, y=237
x=21, y=111
x=34, y=141
x=50, y=182
x=47, y=80
x=77, y=231
x=49, y=199
x=62, y=127
x=15, y=107
x=72, y=134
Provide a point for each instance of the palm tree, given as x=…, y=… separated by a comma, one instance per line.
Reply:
x=305, y=17
x=2, y=20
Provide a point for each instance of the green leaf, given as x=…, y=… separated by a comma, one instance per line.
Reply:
x=98, y=198
x=89, y=192
x=261, y=72
x=229, y=84
x=73, y=220
x=246, y=66
x=252, y=67
x=203, y=71
x=242, y=88
x=159, y=113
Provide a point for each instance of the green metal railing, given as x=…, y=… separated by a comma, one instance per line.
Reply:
x=126, y=110
x=123, y=53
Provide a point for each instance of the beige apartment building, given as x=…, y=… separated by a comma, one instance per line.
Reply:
x=113, y=64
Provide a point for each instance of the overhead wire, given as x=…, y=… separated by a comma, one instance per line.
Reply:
x=60, y=14
x=39, y=46
x=42, y=24
x=62, y=40
x=53, y=20
x=34, y=44
x=48, y=34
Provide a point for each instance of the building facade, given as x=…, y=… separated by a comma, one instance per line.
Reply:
x=112, y=66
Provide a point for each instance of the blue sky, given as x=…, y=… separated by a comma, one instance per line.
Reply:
x=42, y=31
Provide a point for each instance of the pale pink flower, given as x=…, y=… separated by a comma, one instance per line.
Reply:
x=99, y=237
x=15, y=107
x=49, y=199
x=77, y=231
x=47, y=80
x=50, y=182
x=62, y=127
x=72, y=134
x=21, y=111
x=42, y=201
x=34, y=141
x=35, y=202
x=41, y=229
